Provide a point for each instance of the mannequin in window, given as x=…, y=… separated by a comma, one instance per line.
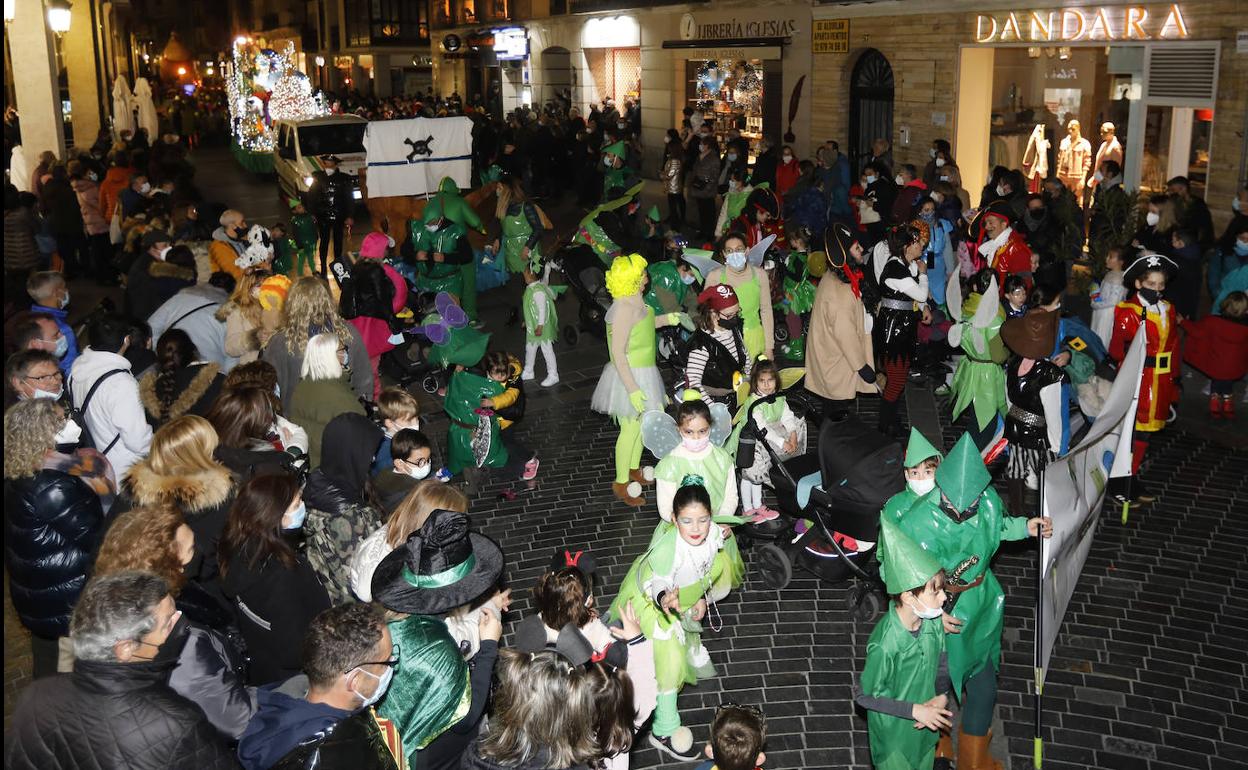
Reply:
x=1036, y=158
x=1074, y=158
x=1110, y=149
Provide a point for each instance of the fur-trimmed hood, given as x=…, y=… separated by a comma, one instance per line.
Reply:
x=191, y=493
x=186, y=400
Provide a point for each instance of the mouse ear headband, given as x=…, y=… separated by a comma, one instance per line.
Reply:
x=566, y=558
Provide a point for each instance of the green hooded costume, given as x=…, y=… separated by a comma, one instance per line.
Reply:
x=979, y=380
x=460, y=280
x=901, y=665
x=473, y=440
x=617, y=177
x=590, y=233
x=965, y=549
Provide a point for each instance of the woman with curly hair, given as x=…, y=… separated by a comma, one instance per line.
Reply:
x=310, y=310
x=180, y=471
x=181, y=383
x=242, y=314
x=53, y=520
x=210, y=670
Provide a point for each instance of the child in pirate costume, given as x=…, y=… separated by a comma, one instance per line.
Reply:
x=905, y=683
x=717, y=361
x=541, y=320
x=1146, y=280
x=630, y=382
x=979, y=379
x=760, y=218
x=903, y=305
x=1033, y=386
x=688, y=567
x=962, y=522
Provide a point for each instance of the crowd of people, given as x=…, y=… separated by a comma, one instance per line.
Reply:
x=239, y=541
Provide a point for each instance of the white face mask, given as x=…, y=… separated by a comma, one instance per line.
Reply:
x=735, y=260
x=145, y=188
x=431, y=228
x=932, y=152
x=900, y=180
x=417, y=472
x=163, y=253
x=1236, y=206
x=331, y=171
x=1152, y=218
x=871, y=179
x=921, y=486
x=940, y=162
x=925, y=612
x=383, y=682
x=54, y=395
x=68, y=434
x=1099, y=177
x=65, y=300
x=944, y=177
x=1000, y=189
x=937, y=197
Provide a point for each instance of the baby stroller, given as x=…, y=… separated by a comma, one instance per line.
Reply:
x=587, y=276
x=830, y=503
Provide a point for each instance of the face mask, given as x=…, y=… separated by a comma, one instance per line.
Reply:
x=735, y=260
x=932, y=152
x=928, y=216
x=277, y=391
x=331, y=171
x=145, y=188
x=1000, y=190
x=92, y=176
x=731, y=324
x=940, y=162
x=901, y=182
x=55, y=396
x=1150, y=296
x=1236, y=205
x=732, y=156
x=171, y=649
x=788, y=158
x=68, y=434
x=696, y=444
x=921, y=486
x=607, y=161
x=871, y=179
x=1241, y=249
x=65, y=301
x=943, y=177
x=383, y=682
x=667, y=140
x=418, y=472
x=925, y=612
x=1152, y=218
x=163, y=253
x=621, y=126
x=297, y=517
x=431, y=228
x=937, y=197
x=62, y=347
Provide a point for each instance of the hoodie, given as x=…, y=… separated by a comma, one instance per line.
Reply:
x=282, y=721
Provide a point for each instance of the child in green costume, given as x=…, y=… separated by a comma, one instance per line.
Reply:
x=618, y=173
x=961, y=521
x=696, y=455
x=541, y=321
x=521, y=227
x=979, y=379
x=905, y=682
x=684, y=572
x=473, y=439
x=446, y=208
x=283, y=249
x=303, y=227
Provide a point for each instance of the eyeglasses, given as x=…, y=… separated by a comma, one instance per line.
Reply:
x=394, y=660
x=46, y=377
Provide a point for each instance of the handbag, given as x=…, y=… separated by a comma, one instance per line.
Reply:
x=115, y=235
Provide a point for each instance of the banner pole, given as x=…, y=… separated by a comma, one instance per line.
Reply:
x=1037, y=742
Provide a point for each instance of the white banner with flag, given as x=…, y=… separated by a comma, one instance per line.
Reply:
x=410, y=157
x=1074, y=488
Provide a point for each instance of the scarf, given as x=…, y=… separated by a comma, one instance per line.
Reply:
x=88, y=465
x=989, y=248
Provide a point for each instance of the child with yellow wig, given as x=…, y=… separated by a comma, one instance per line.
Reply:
x=630, y=383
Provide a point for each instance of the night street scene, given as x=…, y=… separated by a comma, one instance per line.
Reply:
x=609, y=384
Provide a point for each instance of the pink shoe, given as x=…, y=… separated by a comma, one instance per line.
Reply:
x=749, y=515
x=765, y=514
x=530, y=470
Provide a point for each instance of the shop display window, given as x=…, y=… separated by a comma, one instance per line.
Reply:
x=730, y=92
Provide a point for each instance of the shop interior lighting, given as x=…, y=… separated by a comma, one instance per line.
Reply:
x=59, y=16
x=10, y=11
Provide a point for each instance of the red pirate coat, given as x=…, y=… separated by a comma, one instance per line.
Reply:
x=1012, y=257
x=1158, y=389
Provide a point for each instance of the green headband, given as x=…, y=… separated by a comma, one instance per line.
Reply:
x=441, y=579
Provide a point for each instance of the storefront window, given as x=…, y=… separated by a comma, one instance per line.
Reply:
x=385, y=22
x=1176, y=143
x=616, y=72
x=730, y=91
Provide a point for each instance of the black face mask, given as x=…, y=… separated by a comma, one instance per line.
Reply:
x=958, y=516
x=1036, y=218
x=731, y=324
x=1151, y=296
x=171, y=649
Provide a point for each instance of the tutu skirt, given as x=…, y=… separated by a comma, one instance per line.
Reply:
x=611, y=397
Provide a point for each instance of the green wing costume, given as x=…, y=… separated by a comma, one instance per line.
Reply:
x=463, y=398
x=979, y=379
x=592, y=235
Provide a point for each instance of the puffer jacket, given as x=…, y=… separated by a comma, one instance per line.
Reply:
x=111, y=715
x=116, y=179
x=93, y=221
x=20, y=250
x=210, y=675
x=53, y=525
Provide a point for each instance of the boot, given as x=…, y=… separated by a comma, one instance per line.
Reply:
x=944, y=752
x=973, y=752
x=623, y=494
x=1215, y=406
x=888, y=424
x=1228, y=408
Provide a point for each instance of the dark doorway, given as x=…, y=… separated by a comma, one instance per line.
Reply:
x=870, y=106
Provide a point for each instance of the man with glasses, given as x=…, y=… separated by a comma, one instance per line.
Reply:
x=348, y=661
x=32, y=374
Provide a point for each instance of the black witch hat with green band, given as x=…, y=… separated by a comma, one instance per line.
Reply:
x=440, y=567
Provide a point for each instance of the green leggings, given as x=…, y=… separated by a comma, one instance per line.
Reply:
x=306, y=255
x=627, y=448
x=979, y=698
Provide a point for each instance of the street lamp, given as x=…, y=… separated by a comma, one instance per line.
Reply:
x=59, y=16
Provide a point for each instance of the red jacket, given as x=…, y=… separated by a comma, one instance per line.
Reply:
x=115, y=180
x=1158, y=386
x=786, y=177
x=1217, y=346
x=907, y=200
x=1013, y=257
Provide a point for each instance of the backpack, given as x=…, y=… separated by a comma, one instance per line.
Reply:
x=78, y=415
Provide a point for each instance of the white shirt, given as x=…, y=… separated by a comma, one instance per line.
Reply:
x=115, y=411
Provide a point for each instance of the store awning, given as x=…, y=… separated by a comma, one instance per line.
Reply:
x=732, y=48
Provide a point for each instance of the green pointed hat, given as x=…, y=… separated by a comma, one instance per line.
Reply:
x=653, y=214
x=962, y=476
x=618, y=149
x=919, y=449
x=904, y=563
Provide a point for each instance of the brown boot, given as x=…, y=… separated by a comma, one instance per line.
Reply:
x=621, y=494
x=973, y=752
x=638, y=475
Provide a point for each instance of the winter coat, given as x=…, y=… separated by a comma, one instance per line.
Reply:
x=223, y=251
x=838, y=345
x=112, y=715
x=289, y=365
x=53, y=524
x=241, y=341
x=245, y=463
x=274, y=606
x=115, y=411
x=60, y=205
x=197, y=385
x=203, y=498
x=210, y=675
x=787, y=175
x=292, y=733
x=806, y=208
x=115, y=180
x=21, y=253
x=315, y=403
x=672, y=176
x=151, y=282
x=194, y=311
x=907, y=201
x=1217, y=346
x=703, y=176
x=93, y=220
x=765, y=168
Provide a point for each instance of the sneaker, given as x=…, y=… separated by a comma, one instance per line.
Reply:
x=527, y=375
x=443, y=475
x=550, y=381
x=764, y=514
x=530, y=470
x=478, y=324
x=943, y=390
x=664, y=745
x=1142, y=493
x=1215, y=407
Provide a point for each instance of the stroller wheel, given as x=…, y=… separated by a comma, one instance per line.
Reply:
x=864, y=604
x=571, y=336
x=429, y=384
x=774, y=565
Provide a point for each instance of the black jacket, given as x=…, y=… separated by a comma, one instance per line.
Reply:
x=53, y=524
x=211, y=674
x=150, y=282
x=331, y=195
x=356, y=743
x=111, y=715
x=274, y=607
